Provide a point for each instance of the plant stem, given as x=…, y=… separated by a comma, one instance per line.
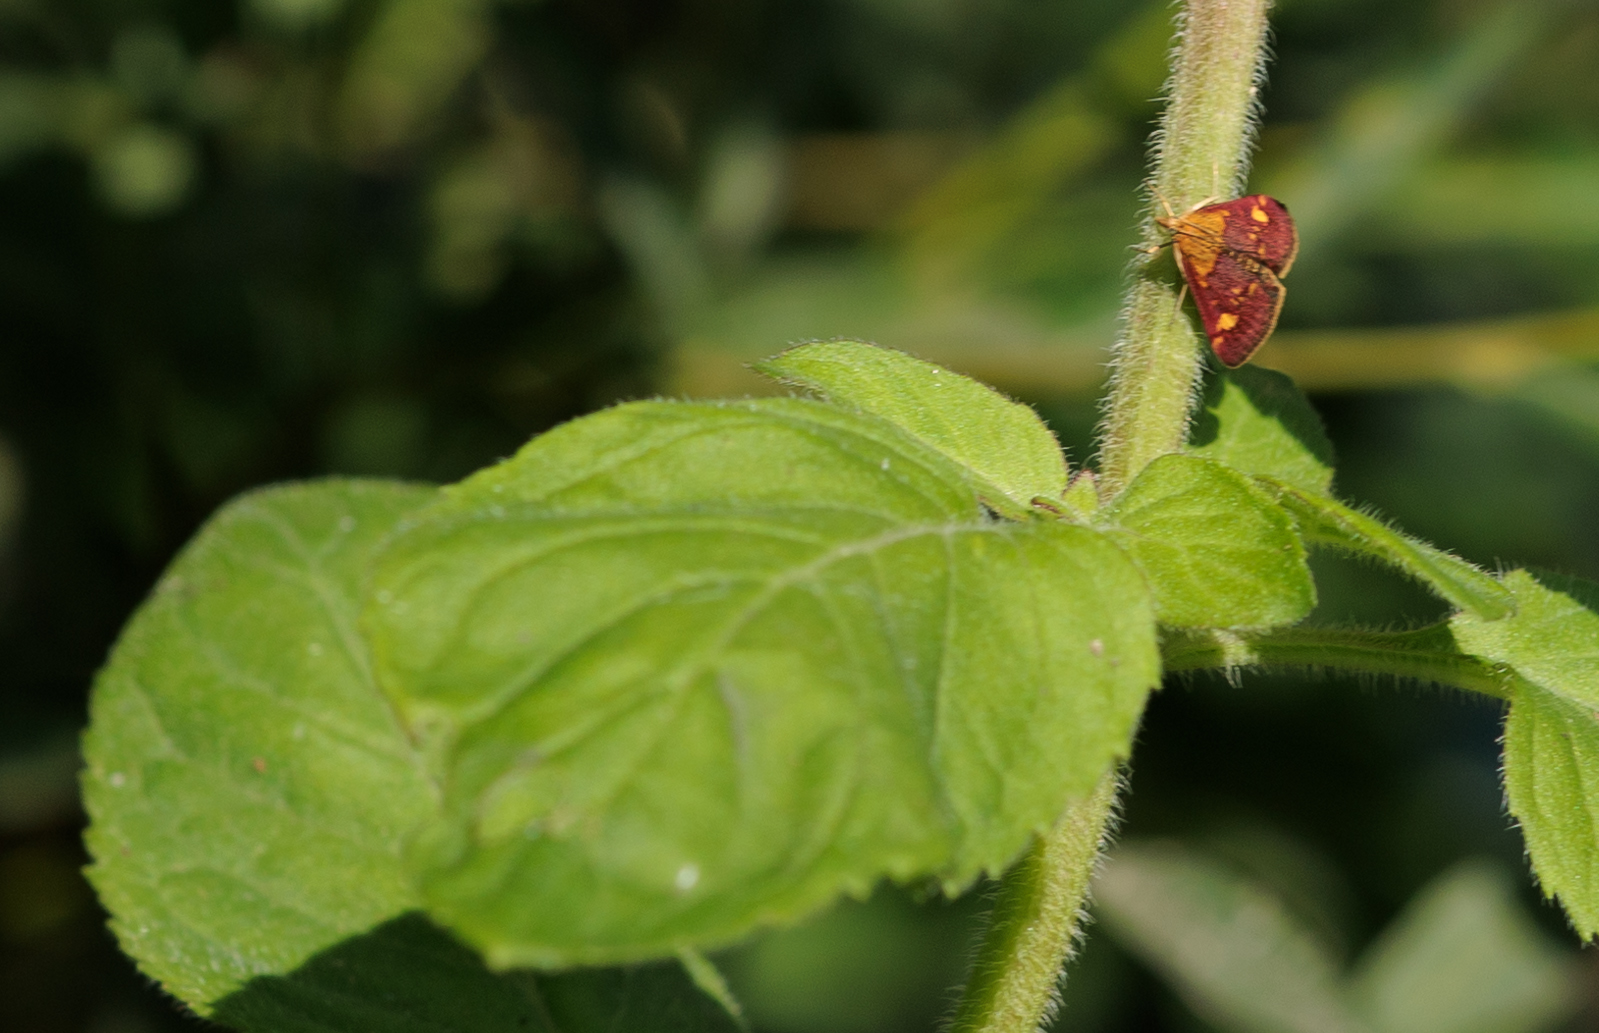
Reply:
x=1201, y=152
x=1426, y=655
x=1035, y=921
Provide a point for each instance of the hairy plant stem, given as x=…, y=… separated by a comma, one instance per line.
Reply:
x=1201, y=152
x=1035, y=921
x=1427, y=655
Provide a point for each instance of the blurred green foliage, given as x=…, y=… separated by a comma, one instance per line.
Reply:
x=249, y=240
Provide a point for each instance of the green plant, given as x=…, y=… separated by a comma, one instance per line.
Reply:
x=678, y=671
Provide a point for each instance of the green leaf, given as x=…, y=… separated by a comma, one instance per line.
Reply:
x=1215, y=548
x=1464, y=957
x=710, y=678
x=649, y=455
x=249, y=788
x=1553, y=638
x=1258, y=421
x=1552, y=782
x=1325, y=521
x=1081, y=498
x=1234, y=951
x=1003, y=441
x=247, y=783
x=1551, y=735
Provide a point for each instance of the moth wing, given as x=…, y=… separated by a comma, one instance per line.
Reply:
x=1260, y=227
x=1238, y=304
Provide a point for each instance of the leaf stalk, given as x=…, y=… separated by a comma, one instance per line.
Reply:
x=1428, y=655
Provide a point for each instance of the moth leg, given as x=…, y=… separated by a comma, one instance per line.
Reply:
x=1163, y=202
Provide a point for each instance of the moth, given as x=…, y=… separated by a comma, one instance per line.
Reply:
x=1233, y=256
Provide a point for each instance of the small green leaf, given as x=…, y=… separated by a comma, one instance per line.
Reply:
x=248, y=785
x=1325, y=521
x=1551, y=735
x=1553, y=639
x=1215, y=548
x=1003, y=441
x=1551, y=775
x=1082, y=496
x=671, y=710
x=1258, y=421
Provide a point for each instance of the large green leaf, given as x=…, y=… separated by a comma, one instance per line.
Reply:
x=1217, y=550
x=693, y=668
x=249, y=789
x=1551, y=735
x=1002, y=440
x=1258, y=421
x=248, y=785
x=1325, y=521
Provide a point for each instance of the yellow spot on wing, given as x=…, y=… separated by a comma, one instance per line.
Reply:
x=1259, y=214
x=1226, y=321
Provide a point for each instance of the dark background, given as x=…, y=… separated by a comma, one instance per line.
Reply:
x=249, y=241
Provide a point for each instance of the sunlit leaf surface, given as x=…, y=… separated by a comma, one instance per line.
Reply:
x=248, y=786
x=971, y=423
x=1218, y=552
x=690, y=669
